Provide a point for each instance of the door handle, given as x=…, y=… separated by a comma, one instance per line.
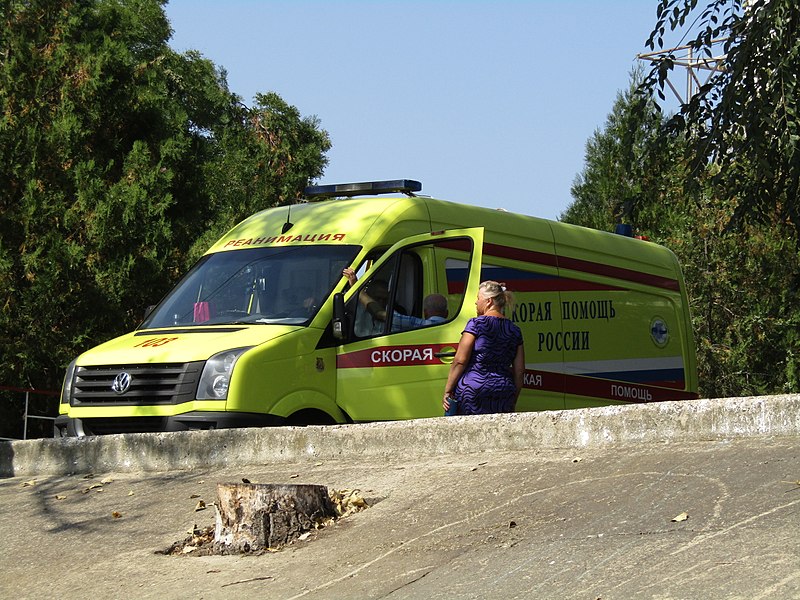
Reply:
x=445, y=355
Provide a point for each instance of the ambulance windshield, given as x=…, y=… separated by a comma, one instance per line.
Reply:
x=284, y=285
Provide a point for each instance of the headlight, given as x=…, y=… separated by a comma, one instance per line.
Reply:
x=216, y=377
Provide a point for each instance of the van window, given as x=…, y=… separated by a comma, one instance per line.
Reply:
x=284, y=285
x=367, y=320
x=398, y=290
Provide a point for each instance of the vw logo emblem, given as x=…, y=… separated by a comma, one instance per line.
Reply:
x=121, y=382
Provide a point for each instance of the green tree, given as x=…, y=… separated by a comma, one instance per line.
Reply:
x=119, y=160
x=744, y=308
x=745, y=119
x=744, y=174
x=265, y=162
x=740, y=281
x=630, y=168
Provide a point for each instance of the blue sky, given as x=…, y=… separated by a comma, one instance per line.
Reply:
x=485, y=103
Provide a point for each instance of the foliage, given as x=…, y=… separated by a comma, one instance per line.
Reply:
x=742, y=283
x=745, y=119
x=628, y=169
x=119, y=160
x=742, y=290
x=742, y=129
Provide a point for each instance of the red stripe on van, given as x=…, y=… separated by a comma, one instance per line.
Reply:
x=544, y=381
x=462, y=244
x=395, y=356
x=584, y=266
x=622, y=391
x=528, y=256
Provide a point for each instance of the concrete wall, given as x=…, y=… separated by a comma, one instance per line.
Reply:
x=659, y=423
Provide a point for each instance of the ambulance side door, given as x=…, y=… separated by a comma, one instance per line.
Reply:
x=396, y=368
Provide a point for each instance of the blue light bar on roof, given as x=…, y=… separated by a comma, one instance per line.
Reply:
x=366, y=188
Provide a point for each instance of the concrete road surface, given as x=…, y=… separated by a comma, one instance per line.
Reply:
x=669, y=511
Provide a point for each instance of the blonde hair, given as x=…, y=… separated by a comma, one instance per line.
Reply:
x=498, y=293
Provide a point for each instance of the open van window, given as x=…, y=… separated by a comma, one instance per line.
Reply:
x=285, y=285
x=401, y=287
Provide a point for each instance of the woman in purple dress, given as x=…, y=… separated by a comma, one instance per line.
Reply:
x=486, y=374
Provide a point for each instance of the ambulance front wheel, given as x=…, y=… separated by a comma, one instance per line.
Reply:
x=310, y=417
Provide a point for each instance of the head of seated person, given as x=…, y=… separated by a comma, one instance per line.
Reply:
x=434, y=306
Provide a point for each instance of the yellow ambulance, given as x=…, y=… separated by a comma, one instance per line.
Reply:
x=265, y=330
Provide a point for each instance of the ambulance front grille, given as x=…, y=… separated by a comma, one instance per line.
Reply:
x=150, y=384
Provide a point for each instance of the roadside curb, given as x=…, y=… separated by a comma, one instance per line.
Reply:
x=658, y=423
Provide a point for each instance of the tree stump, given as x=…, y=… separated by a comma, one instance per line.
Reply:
x=252, y=517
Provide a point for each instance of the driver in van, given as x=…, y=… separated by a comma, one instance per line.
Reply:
x=301, y=301
x=374, y=298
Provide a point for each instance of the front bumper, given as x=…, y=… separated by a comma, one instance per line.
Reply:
x=66, y=426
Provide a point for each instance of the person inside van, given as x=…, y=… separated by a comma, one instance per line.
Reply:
x=376, y=295
x=434, y=306
x=300, y=302
x=434, y=310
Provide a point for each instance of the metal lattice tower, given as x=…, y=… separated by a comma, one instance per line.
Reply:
x=696, y=68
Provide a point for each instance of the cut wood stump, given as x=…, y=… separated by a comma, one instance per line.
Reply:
x=256, y=516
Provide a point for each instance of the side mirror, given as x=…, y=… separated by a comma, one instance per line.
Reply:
x=339, y=322
x=148, y=310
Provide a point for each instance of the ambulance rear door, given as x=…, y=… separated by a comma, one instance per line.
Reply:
x=396, y=368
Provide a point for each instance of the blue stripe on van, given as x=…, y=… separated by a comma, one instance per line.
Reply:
x=650, y=376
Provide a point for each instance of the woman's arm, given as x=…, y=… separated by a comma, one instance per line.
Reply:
x=518, y=369
x=460, y=362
